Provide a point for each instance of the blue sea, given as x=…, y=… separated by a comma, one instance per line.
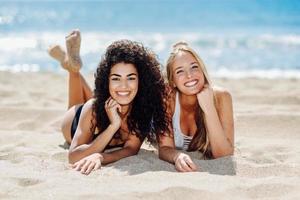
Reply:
x=235, y=38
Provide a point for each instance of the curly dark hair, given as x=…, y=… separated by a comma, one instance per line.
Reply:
x=147, y=116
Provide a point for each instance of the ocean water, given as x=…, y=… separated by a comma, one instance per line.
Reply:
x=235, y=38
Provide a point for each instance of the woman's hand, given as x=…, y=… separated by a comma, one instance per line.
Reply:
x=89, y=163
x=183, y=163
x=112, y=108
x=206, y=98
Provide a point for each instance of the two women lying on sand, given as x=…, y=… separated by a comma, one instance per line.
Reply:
x=132, y=101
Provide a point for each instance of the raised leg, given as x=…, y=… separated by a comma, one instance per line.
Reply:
x=73, y=41
x=87, y=91
x=59, y=54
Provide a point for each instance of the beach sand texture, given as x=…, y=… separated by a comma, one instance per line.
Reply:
x=33, y=156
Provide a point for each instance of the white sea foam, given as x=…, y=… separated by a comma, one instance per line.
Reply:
x=5, y=20
x=99, y=40
x=20, y=68
x=259, y=56
x=256, y=73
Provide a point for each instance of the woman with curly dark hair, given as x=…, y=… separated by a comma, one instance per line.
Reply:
x=127, y=104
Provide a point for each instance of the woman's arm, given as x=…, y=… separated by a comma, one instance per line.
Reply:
x=219, y=121
x=167, y=151
x=95, y=160
x=81, y=145
x=130, y=148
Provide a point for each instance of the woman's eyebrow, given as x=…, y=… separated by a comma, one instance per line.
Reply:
x=132, y=74
x=115, y=75
x=118, y=75
x=178, y=68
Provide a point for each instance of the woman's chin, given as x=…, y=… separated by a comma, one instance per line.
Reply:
x=123, y=102
x=191, y=91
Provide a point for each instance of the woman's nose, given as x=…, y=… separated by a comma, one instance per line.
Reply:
x=124, y=84
x=188, y=74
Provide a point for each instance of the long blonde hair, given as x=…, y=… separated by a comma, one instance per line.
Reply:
x=200, y=140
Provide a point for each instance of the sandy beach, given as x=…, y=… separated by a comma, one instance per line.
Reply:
x=33, y=156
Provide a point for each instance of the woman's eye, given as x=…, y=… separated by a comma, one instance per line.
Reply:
x=179, y=71
x=115, y=79
x=194, y=66
x=131, y=78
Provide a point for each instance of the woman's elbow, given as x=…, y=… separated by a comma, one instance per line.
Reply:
x=133, y=152
x=71, y=156
x=162, y=152
x=160, y=155
x=229, y=152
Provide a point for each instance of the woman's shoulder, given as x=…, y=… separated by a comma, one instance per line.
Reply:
x=222, y=95
x=221, y=92
x=87, y=115
x=88, y=107
x=89, y=104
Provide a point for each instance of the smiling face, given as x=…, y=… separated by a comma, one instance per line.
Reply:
x=123, y=83
x=187, y=74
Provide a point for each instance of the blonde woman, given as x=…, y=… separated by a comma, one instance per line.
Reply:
x=202, y=115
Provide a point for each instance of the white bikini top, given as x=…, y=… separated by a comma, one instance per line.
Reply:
x=181, y=141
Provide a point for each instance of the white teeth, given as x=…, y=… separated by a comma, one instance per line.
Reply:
x=191, y=83
x=123, y=93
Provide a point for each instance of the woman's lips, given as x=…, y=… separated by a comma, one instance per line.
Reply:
x=123, y=94
x=191, y=83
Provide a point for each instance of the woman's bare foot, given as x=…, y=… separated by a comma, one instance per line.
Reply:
x=59, y=54
x=73, y=50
